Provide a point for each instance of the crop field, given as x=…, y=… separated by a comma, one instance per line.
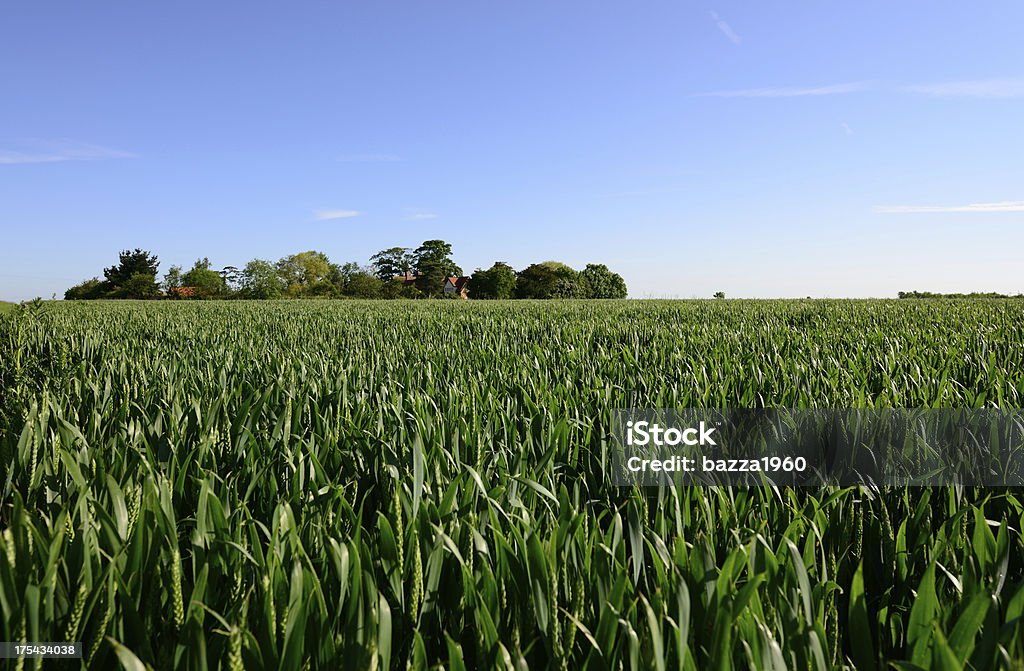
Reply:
x=424, y=484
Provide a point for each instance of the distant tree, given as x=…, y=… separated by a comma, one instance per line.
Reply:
x=85, y=291
x=132, y=263
x=389, y=263
x=172, y=278
x=232, y=277
x=535, y=281
x=306, y=274
x=599, y=282
x=341, y=274
x=128, y=279
x=208, y=283
x=398, y=288
x=363, y=285
x=720, y=295
x=498, y=282
x=355, y=281
x=259, y=279
x=550, y=279
x=433, y=264
x=139, y=285
x=569, y=287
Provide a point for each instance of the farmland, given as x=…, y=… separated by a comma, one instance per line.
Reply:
x=318, y=484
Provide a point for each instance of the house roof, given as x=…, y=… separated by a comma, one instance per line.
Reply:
x=457, y=282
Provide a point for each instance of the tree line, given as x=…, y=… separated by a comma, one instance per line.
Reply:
x=974, y=294
x=396, y=272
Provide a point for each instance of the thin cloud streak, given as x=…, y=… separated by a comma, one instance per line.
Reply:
x=1002, y=206
x=789, y=92
x=423, y=215
x=981, y=88
x=327, y=215
x=846, y=128
x=57, y=151
x=725, y=28
x=369, y=158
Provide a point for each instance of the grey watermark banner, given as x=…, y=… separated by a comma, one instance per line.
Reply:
x=814, y=447
x=45, y=650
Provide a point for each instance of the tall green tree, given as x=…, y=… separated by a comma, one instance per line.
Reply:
x=433, y=265
x=356, y=281
x=307, y=274
x=259, y=279
x=498, y=282
x=208, y=283
x=133, y=277
x=232, y=278
x=172, y=278
x=550, y=279
x=599, y=282
x=131, y=263
x=389, y=263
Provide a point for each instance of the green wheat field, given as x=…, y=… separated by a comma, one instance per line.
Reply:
x=426, y=484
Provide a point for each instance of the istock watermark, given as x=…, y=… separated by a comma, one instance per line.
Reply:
x=645, y=433
x=815, y=447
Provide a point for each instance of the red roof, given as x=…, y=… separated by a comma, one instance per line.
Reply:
x=457, y=282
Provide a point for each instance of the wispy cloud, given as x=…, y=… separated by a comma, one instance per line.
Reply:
x=725, y=28
x=55, y=151
x=846, y=128
x=327, y=215
x=1002, y=206
x=369, y=158
x=789, y=91
x=414, y=213
x=980, y=88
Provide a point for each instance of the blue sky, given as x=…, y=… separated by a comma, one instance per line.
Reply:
x=761, y=149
